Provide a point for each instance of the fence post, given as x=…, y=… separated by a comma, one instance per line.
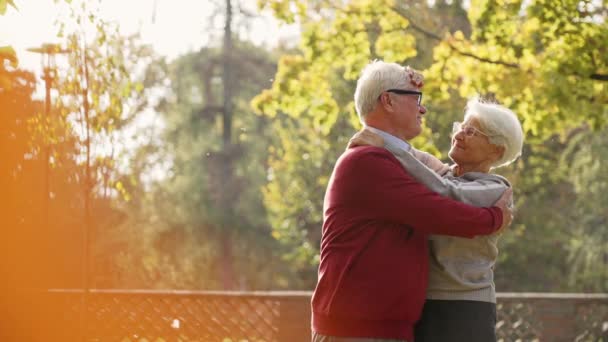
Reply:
x=294, y=318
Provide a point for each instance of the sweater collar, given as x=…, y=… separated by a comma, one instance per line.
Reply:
x=391, y=139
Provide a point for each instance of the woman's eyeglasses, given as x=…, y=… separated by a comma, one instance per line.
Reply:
x=469, y=131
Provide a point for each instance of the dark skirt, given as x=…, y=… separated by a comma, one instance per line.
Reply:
x=457, y=320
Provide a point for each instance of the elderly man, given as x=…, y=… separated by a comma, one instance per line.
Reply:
x=377, y=217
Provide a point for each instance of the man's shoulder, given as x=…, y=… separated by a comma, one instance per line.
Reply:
x=366, y=151
x=369, y=155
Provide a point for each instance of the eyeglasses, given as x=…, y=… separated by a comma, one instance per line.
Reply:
x=407, y=92
x=469, y=131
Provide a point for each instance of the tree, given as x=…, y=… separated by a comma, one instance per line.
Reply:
x=7, y=53
x=26, y=261
x=540, y=59
x=584, y=164
x=313, y=113
x=543, y=59
x=98, y=95
x=21, y=176
x=4, y=4
x=182, y=214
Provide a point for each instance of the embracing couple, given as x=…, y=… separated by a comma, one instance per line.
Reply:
x=409, y=243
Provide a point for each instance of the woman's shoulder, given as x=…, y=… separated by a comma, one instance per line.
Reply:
x=485, y=177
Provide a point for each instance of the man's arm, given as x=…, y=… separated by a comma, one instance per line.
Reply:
x=374, y=183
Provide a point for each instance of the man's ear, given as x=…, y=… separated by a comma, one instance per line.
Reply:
x=386, y=101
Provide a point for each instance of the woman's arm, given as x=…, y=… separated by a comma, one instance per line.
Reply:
x=367, y=138
x=431, y=162
x=476, y=189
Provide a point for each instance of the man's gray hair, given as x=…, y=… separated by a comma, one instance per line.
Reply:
x=501, y=125
x=379, y=76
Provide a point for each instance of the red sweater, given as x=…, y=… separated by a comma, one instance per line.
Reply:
x=374, y=260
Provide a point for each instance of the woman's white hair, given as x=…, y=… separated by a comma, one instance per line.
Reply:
x=501, y=125
x=379, y=76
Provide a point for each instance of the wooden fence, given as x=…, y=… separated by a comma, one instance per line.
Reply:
x=155, y=316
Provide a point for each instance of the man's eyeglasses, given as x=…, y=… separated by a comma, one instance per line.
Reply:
x=407, y=92
x=469, y=131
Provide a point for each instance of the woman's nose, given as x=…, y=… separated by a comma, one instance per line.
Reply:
x=459, y=135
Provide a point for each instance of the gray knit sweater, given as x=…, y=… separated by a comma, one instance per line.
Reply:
x=460, y=268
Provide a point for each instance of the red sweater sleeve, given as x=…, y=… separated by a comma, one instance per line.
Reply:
x=375, y=185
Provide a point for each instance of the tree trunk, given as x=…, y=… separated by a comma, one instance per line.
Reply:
x=228, y=278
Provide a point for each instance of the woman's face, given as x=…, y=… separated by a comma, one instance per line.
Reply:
x=471, y=147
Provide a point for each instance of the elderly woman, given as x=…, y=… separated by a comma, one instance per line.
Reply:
x=461, y=298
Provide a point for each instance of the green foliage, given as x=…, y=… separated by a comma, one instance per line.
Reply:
x=162, y=221
x=97, y=97
x=313, y=114
x=297, y=175
x=4, y=4
x=544, y=59
x=541, y=59
x=538, y=226
x=190, y=240
x=7, y=54
x=584, y=163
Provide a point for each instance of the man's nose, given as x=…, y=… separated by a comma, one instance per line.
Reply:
x=422, y=109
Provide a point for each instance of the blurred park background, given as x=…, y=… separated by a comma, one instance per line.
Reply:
x=188, y=147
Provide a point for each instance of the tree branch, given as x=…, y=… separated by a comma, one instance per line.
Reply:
x=485, y=60
x=429, y=34
x=438, y=38
x=599, y=77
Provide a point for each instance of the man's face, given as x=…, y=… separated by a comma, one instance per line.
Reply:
x=407, y=114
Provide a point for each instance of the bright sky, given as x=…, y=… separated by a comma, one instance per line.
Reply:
x=173, y=27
